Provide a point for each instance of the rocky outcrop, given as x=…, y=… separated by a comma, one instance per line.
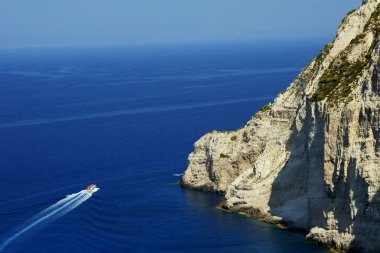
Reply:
x=310, y=159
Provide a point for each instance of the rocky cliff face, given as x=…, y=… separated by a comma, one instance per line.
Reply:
x=310, y=159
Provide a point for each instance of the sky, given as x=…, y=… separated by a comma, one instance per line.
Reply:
x=28, y=23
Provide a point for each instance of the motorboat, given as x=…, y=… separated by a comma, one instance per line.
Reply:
x=91, y=188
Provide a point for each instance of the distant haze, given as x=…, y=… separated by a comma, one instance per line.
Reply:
x=124, y=22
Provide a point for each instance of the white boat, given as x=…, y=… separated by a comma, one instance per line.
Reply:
x=92, y=188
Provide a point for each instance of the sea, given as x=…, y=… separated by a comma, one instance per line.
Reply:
x=125, y=118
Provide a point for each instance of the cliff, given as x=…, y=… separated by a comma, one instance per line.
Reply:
x=310, y=159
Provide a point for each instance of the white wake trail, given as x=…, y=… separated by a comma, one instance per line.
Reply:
x=51, y=213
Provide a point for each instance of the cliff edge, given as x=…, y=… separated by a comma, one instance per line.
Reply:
x=310, y=159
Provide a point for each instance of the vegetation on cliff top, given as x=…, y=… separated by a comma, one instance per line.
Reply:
x=263, y=109
x=336, y=82
x=338, y=78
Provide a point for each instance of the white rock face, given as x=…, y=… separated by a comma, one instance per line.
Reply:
x=311, y=159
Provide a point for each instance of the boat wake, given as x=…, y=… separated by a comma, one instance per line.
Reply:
x=51, y=213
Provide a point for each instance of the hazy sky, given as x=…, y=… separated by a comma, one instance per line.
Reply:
x=119, y=22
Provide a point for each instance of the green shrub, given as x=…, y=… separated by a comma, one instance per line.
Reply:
x=224, y=156
x=325, y=51
x=265, y=108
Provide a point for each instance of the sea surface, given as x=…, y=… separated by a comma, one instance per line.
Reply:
x=126, y=119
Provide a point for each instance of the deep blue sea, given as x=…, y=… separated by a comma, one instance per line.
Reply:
x=126, y=119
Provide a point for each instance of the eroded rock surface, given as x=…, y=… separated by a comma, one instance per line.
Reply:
x=310, y=159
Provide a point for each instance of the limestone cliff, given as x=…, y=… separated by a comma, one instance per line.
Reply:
x=310, y=159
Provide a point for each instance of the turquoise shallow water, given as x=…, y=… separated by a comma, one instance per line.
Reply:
x=126, y=119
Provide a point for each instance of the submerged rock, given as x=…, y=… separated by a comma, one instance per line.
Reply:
x=310, y=159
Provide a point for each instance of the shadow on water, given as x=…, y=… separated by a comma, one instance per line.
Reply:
x=226, y=235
